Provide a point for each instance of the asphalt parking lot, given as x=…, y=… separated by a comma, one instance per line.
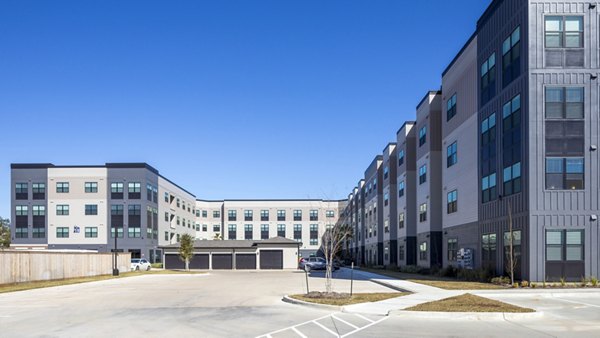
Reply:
x=248, y=304
x=220, y=304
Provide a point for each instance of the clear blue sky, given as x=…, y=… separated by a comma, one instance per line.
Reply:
x=229, y=99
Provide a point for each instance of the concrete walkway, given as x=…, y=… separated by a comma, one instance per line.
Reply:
x=420, y=294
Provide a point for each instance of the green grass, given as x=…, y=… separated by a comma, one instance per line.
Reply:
x=436, y=281
x=355, y=299
x=58, y=282
x=468, y=303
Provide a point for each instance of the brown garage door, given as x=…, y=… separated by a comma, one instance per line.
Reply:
x=271, y=259
x=222, y=262
x=200, y=261
x=245, y=261
x=173, y=262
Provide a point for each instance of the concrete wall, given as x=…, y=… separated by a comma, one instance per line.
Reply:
x=28, y=266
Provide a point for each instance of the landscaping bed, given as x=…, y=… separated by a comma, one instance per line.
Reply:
x=468, y=303
x=340, y=299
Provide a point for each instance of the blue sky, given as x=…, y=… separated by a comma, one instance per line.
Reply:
x=229, y=99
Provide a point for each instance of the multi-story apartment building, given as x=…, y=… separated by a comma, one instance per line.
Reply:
x=406, y=210
x=389, y=207
x=429, y=180
x=518, y=112
x=373, y=212
x=459, y=144
x=85, y=207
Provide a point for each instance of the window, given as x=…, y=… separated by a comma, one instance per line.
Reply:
x=248, y=231
x=565, y=127
x=264, y=215
x=134, y=187
x=155, y=195
x=90, y=187
x=179, y=203
x=314, y=234
x=179, y=221
x=386, y=198
x=116, y=190
x=511, y=131
x=401, y=157
x=423, y=251
x=21, y=191
x=401, y=220
x=91, y=209
x=281, y=215
x=386, y=172
x=512, y=179
x=488, y=79
x=248, y=215
x=452, y=249
x=167, y=197
x=216, y=214
x=62, y=232
x=62, y=210
x=232, y=215
x=564, y=173
x=232, y=231
x=91, y=232
x=116, y=210
x=422, y=135
x=37, y=232
x=451, y=107
x=423, y=212
x=39, y=191
x=564, y=32
x=197, y=212
x=297, y=215
x=280, y=230
x=329, y=213
x=511, y=57
x=564, y=245
x=134, y=232
x=204, y=227
x=488, y=250
x=488, y=188
x=451, y=157
x=149, y=192
x=21, y=232
x=452, y=205
x=386, y=226
x=401, y=189
x=298, y=232
x=264, y=231
x=488, y=145
x=62, y=187
x=423, y=174
x=167, y=218
x=401, y=252
x=21, y=210
x=38, y=210
x=314, y=215
x=564, y=102
x=216, y=227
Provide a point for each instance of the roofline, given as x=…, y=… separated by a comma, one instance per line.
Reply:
x=284, y=200
x=435, y=92
x=491, y=8
x=464, y=47
x=389, y=144
x=175, y=184
x=404, y=125
x=203, y=200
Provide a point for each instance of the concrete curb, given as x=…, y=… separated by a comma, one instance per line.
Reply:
x=314, y=305
x=466, y=315
x=389, y=285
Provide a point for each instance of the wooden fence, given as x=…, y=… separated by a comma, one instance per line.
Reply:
x=26, y=266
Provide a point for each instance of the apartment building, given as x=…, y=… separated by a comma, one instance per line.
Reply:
x=406, y=210
x=389, y=207
x=86, y=207
x=373, y=212
x=517, y=122
x=459, y=144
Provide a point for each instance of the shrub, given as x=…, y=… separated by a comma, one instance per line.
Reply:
x=392, y=267
x=449, y=271
x=594, y=281
x=563, y=282
x=157, y=265
x=533, y=285
x=515, y=285
x=501, y=280
x=524, y=284
x=410, y=269
x=583, y=282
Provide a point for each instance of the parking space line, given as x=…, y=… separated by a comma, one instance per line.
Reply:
x=345, y=322
x=325, y=328
x=291, y=327
x=574, y=302
x=363, y=317
x=298, y=332
x=364, y=327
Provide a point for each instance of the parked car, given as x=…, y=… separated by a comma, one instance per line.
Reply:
x=140, y=264
x=315, y=263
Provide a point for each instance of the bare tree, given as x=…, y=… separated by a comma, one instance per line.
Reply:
x=332, y=242
x=511, y=262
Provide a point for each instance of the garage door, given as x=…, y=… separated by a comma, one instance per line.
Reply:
x=200, y=261
x=173, y=262
x=221, y=262
x=245, y=261
x=271, y=259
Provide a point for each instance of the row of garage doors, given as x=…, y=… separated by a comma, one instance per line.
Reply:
x=269, y=260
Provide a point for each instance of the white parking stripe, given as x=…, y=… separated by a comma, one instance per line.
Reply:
x=345, y=322
x=298, y=332
x=574, y=302
x=291, y=327
x=363, y=317
x=364, y=327
x=325, y=328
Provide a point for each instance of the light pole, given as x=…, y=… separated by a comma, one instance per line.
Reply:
x=116, y=266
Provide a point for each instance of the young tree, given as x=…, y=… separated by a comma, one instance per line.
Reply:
x=4, y=233
x=511, y=262
x=186, y=249
x=332, y=243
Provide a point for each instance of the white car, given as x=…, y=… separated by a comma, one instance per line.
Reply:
x=140, y=264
